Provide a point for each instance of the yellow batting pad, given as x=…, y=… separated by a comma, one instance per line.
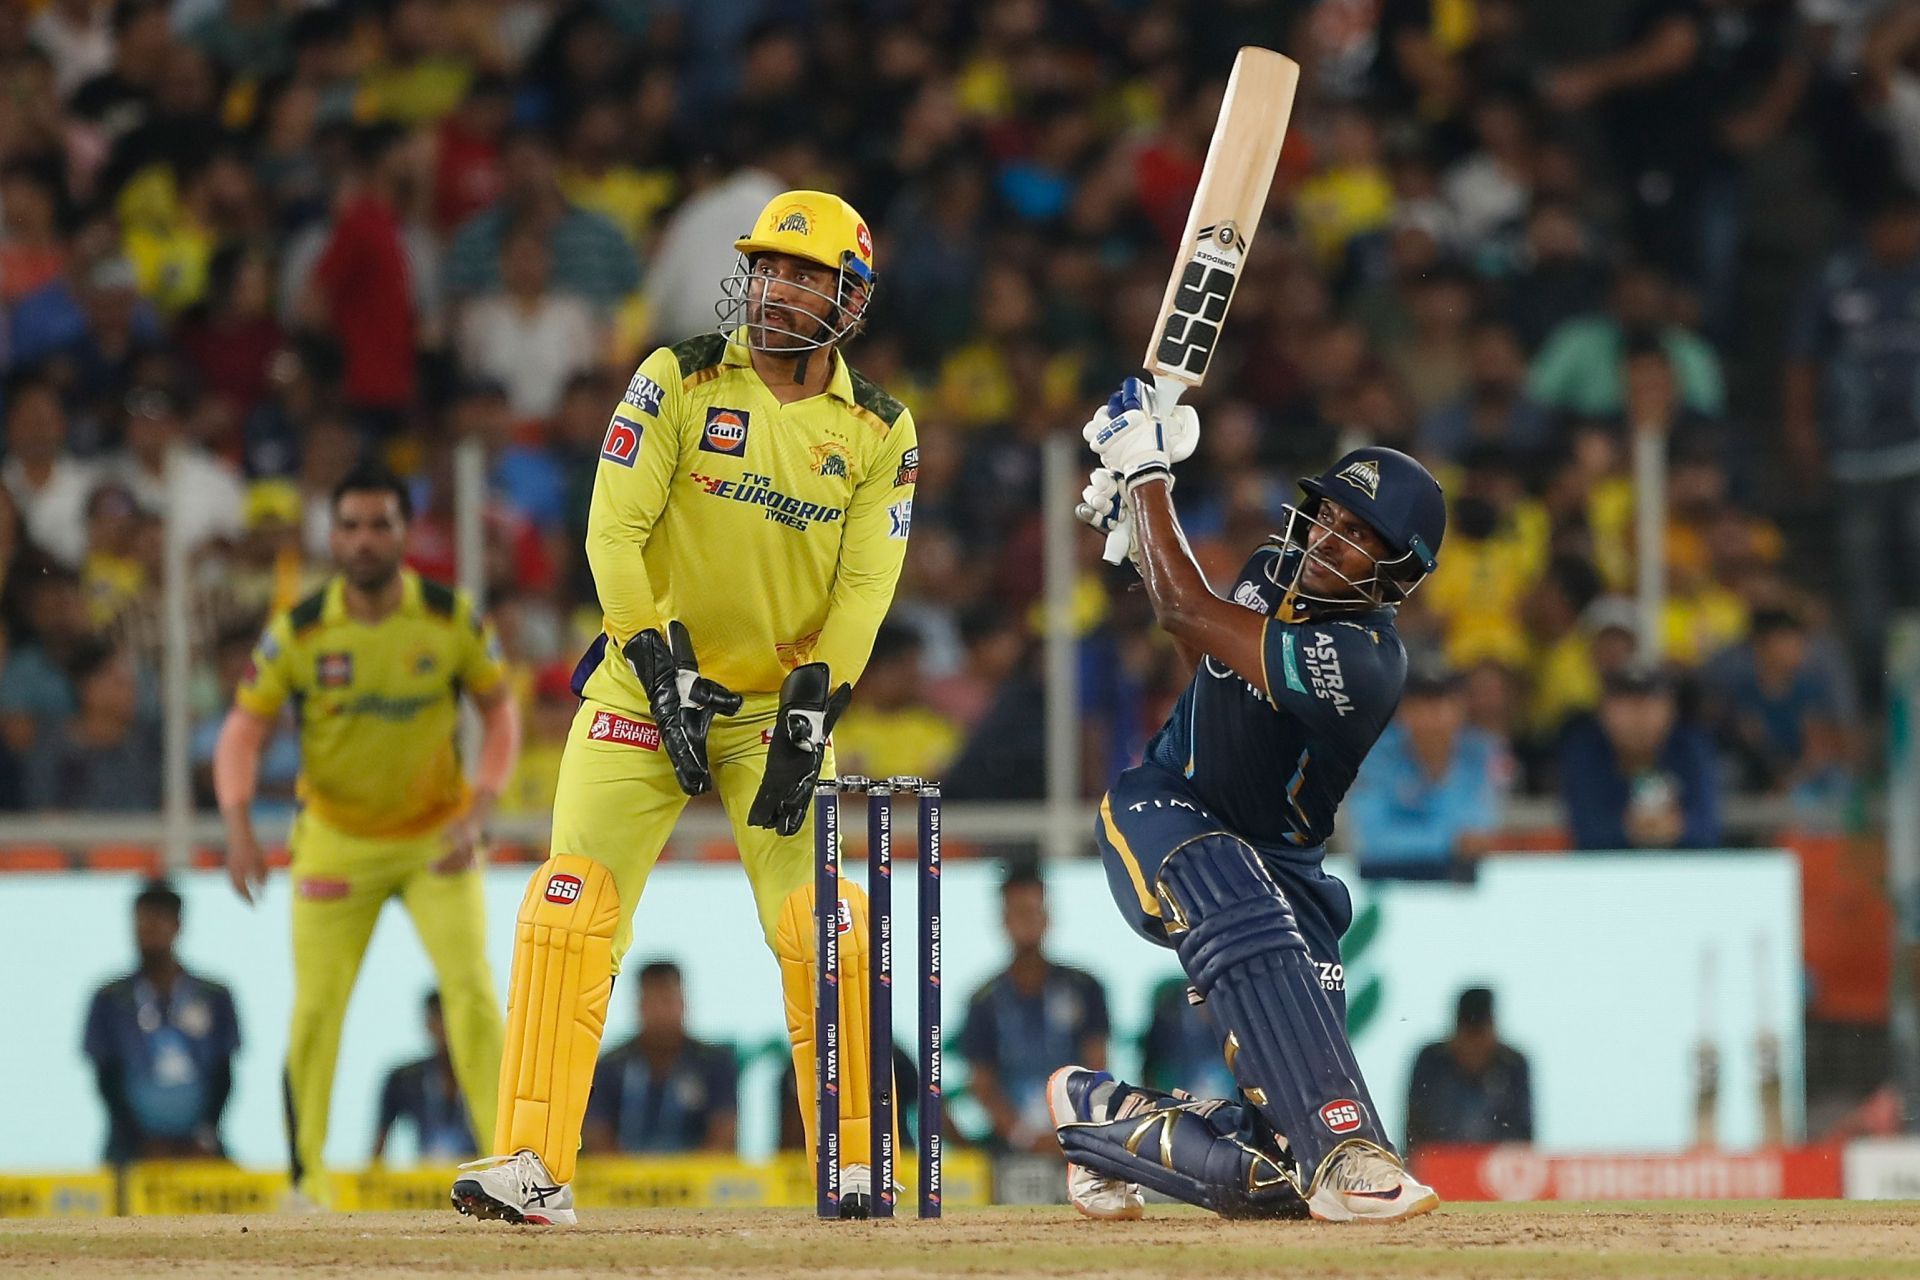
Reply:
x=556, y=1009
x=794, y=943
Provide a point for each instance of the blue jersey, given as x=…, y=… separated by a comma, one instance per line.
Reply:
x=1275, y=768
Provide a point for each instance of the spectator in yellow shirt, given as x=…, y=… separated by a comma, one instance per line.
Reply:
x=891, y=730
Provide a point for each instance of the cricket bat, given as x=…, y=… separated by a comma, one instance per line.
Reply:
x=1220, y=227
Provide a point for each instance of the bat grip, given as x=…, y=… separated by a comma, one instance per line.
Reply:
x=1166, y=394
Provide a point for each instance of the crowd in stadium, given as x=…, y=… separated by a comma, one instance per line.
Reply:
x=288, y=232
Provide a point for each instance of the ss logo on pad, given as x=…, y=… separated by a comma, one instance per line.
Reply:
x=563, y=889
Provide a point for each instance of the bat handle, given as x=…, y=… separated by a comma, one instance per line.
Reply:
x=1166, y=394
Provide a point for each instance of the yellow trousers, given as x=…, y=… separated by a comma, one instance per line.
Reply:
x=614, y=808
x=340, y=883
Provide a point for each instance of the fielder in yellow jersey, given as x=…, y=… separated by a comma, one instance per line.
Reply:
x=749, y=521
x=375, y=664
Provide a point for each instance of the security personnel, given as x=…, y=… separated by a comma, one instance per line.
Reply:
x=375, y=664
x=749, y=520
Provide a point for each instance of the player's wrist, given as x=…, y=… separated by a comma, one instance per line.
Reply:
x=1155, y=471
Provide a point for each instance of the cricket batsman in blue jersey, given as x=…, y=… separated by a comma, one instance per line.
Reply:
x=1213, y=845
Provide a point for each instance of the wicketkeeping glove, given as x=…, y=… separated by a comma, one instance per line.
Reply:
x=684, y=702
x=799, y=747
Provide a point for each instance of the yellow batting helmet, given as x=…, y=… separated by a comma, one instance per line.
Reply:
x=817, y=226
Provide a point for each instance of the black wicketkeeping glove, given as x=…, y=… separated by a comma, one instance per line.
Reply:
x=799, y=747
x=684, y=702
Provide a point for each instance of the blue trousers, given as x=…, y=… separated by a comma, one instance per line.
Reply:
x=1150, y=812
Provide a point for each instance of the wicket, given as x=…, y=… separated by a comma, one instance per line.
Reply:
x=827, y=922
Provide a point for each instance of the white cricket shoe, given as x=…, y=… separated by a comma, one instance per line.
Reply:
x=1363, y=1183
x=517, y=1188
x=1074, y=1097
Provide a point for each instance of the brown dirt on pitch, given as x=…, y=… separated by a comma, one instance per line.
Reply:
x=1552, y=1241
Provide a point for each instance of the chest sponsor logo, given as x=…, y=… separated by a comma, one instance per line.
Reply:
x=725, y=432
x=608, y=727
x=333, y=670
x=758, y=491
x=900, y=519
x=829, y=460
x=909, y=472
x=622, y=444
x=1249, y=595
x=644, y=394
x=1322, y=661
x=379, y=706
x=424, y=662
x=563, y=888
x=1342, y=1115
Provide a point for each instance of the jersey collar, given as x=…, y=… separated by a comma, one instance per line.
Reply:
x=839, y=386
x=334, y=610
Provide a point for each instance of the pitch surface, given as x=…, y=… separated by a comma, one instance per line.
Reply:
x=1579, y=1241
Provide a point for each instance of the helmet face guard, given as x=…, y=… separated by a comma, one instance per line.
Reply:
x=744, y=292
x=1305, y=537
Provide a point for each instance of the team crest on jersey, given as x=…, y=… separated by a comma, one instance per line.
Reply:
x=795, y=219
x=333, y=670
x=1363, y=475
x=423, y=662
x=829, y=460
x=644, y=394
x=909, y=472
x=726, y=432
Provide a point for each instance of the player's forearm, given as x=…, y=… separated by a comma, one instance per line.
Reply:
x=859, y=605
x=619, y=565
x=236, y=765
x=1186, y=608
x=499, y=749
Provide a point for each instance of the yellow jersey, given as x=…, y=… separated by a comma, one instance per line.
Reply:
x=775, y=533
x=377, y=704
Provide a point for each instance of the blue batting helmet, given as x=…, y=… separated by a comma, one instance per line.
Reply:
x=1399, y=499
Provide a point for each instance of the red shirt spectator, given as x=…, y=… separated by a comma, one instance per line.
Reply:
x=362, y=274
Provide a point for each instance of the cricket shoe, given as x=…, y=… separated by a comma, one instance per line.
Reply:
x=856, y=1191
x=1077, y=1095
x=1364, y=1183
x=516, y=1188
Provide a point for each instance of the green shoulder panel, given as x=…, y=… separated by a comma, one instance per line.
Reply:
x=306, y=615
x=440, y=600
x=870, y=397
x=696, y=355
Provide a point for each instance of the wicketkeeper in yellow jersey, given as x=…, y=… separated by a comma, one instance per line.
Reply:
x=375, y=664
x=749, y=521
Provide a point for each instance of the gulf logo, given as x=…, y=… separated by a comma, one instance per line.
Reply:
x=726, y=432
